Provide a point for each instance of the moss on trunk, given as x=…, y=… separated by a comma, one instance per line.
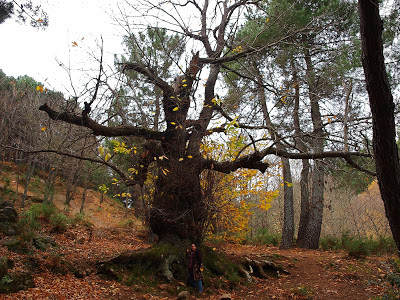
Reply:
x=166, y=263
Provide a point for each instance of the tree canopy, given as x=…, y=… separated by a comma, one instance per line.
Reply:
x=172, y=97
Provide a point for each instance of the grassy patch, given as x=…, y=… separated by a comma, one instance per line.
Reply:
x=304, y=291
x=127, y=223
x=358, y=247
x=5, y=191
x=82, y=218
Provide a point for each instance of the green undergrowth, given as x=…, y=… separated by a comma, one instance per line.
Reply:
x=146, y=269
x=32, y=218
x=358, y=247
x=32, y=221
x=220, y=271
x=391, y=280
x=265, y=237
x=5, y=191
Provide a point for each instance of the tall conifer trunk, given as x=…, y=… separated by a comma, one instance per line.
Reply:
x=382, y=108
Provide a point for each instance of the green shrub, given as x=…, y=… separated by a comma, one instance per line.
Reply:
x=330, y=242
x=385, y=245
x=35, y=183
x=48, y=211
x=29, y=221
x=33, y=212
x=393, y=278
x=59, y=222
x=127, y=223
x=5, y=191
x=394, y=275
x=265, y=237
x=358, y=247
x=81, y=218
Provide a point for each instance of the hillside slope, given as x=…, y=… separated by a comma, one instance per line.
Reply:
x=109, y=213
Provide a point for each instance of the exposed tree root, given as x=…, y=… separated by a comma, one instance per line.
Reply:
x=261, y=268
x=168, y=263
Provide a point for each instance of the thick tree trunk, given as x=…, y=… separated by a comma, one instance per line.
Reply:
x=305, y=204
x=288, y=210
x=178, y=212
x=314, y=224
x=382, y=108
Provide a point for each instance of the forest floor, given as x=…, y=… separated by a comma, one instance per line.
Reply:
x=314, y=274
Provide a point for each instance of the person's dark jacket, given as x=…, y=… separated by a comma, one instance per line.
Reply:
x=195, y=264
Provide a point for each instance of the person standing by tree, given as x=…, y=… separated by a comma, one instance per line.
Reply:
x=195, y=268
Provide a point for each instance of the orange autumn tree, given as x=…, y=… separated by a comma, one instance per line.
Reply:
x=233, y=198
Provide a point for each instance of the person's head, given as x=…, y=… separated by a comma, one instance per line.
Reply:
x=193, y=247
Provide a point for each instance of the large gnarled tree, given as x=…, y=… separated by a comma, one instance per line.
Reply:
x=189, y=104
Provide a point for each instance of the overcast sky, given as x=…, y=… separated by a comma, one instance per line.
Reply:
x=37, y=53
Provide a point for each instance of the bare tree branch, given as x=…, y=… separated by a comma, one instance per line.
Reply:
x=254, y=160
x=125, y=178
x=99, y=129
x=150, y=74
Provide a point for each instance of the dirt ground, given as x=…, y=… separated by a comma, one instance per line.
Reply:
x=313, y=274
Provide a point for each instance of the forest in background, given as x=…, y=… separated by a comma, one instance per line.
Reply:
x=353, y=204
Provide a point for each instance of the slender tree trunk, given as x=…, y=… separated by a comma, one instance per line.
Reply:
x=313, y=230
x=382, y=108
x=288, y=207
x=17, y=187
x=101, y=198
x=84, y=193
x=29, y=172
x=49, y=186
x=1, y=161
x=346, y=119
x=157, y=112
x=288, y=210
x=305, y=171
x=71, y=186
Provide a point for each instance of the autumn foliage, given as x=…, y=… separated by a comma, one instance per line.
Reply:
x=233, y=198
